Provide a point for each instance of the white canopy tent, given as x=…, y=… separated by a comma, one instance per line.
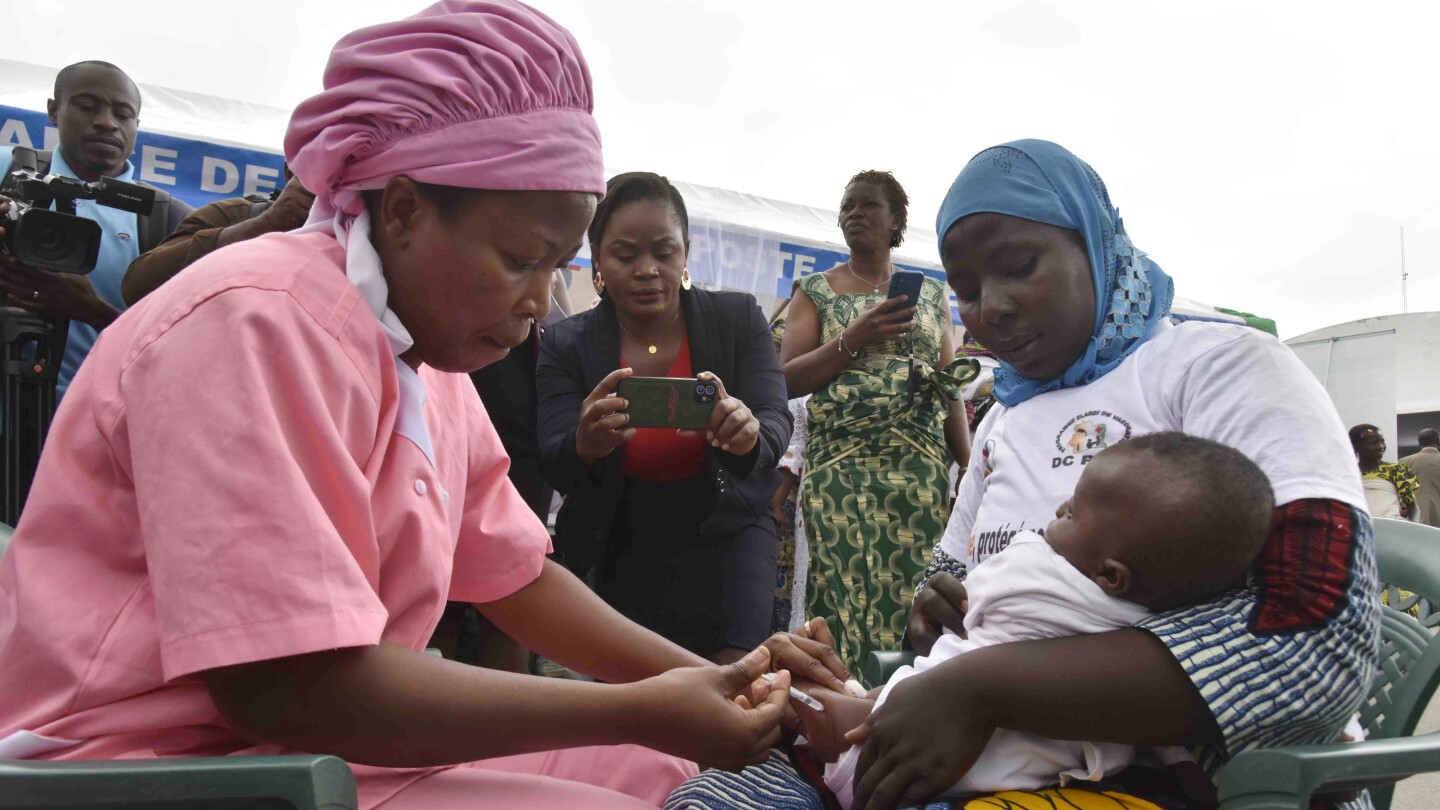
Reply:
x=202, y=148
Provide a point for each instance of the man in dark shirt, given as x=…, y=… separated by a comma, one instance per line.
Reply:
x=212, y=227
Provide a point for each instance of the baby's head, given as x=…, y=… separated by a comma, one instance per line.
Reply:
x=1165, y=519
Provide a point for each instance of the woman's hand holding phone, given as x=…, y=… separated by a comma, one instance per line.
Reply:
x=732, y=428
x=888, y=320
x=603, y=420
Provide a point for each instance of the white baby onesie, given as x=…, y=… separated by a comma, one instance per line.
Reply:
x=1025, y=592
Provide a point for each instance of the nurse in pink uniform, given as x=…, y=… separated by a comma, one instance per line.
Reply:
x=271, y=474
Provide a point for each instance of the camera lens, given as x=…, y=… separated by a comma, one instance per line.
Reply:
x=50, y=243
x=49, y=240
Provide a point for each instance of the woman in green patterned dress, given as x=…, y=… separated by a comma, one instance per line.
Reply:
x=876, y=492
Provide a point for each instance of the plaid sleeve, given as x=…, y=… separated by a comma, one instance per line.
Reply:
x=1288, y=659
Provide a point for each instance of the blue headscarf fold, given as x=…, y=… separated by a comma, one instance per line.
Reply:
x=1043, y=182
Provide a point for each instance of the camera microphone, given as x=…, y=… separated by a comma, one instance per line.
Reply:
x=125, y=196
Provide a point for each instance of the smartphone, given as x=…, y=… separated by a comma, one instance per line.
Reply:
x=682, y=403
x=906, y=283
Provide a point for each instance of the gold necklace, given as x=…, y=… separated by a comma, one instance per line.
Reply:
x=863, y=280
x=651, y=347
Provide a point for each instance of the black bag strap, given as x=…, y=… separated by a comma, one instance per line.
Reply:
x=155, y=226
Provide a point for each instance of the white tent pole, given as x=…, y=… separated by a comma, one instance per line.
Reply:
x=1404, y=298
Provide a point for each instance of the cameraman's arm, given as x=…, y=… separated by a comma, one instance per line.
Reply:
x=210, y=228
x=199, y=234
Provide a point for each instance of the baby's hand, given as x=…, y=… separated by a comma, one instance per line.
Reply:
x=825, y=731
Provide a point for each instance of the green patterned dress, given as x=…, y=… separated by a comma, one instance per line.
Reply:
x=876, y=491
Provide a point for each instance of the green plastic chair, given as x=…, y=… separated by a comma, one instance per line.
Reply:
x=1285, y=778
x=300, y=782
x=297, y=782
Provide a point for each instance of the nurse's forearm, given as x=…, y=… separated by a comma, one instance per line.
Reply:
x=1122, y=687
x=560, y=618
x=394, y=707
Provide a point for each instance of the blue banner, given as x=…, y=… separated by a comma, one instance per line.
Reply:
x=200, y=172
x=197, y=172
x=798, y=261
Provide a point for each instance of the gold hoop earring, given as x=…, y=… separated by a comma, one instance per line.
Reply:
x=685, y=280
x=599, y=283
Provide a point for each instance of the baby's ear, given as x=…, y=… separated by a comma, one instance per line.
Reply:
x=1113, y=577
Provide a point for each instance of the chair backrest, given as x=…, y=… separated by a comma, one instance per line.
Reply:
x=1408, y=555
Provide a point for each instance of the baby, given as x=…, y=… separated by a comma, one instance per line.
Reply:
x=1157, y=522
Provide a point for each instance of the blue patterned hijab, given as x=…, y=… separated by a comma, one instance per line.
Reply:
x=1043, y=182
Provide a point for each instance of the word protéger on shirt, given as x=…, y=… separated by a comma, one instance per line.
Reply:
x=996, y=541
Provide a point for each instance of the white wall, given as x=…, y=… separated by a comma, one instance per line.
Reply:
x=1417, y=354
x=1358, y=372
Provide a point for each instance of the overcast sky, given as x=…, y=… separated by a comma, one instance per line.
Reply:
x=1265, y=154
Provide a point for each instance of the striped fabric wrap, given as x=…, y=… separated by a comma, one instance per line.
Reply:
x=1297, y=679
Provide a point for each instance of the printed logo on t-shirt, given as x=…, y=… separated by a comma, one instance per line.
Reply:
x=1086, y=435
x=987, y=458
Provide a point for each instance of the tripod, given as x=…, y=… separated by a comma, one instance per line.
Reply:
x=31, y=348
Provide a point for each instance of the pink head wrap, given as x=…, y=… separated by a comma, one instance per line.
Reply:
x=490, y=95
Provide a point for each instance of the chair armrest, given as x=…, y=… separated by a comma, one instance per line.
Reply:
x=299, y=782
x=1285, y=778
x=880, y=665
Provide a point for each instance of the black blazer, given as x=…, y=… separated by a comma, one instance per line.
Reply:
x=728, y=336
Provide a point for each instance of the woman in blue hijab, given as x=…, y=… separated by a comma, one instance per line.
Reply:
x=1047, y=278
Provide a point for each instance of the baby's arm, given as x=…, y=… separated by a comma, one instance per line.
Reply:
x=825, y=731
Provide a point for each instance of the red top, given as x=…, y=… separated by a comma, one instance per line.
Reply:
x=661, y=454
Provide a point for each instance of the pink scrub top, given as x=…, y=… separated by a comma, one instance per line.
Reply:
x=225, y=483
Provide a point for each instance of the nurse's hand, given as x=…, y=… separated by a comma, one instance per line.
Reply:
x=703, y=713
x=809, y=653
x=603, y=420
x=939, y=607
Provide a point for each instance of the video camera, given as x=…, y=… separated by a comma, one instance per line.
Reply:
x=59, y=240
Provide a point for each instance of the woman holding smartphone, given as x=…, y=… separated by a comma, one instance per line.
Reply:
x=674, y=525
x=884, y=424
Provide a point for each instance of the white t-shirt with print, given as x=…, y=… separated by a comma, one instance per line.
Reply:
x=1232, y=384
